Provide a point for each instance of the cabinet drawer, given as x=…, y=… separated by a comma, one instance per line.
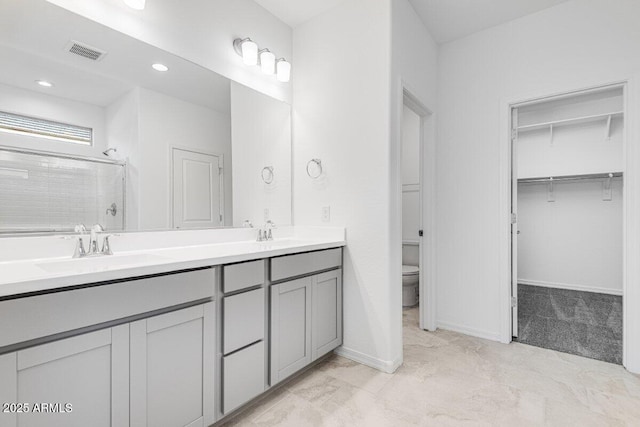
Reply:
x=243, y=376
x=298, y=265
x=243, y=319
x=57, y=312
x=243, y=275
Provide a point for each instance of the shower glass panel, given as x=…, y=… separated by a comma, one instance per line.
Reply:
x=42, y=192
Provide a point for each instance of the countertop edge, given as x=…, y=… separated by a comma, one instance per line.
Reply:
x=52, y=282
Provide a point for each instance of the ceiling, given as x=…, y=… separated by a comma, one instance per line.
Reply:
x=446, y=20
x=33, y=38
x=449, y=20
x=296, y=12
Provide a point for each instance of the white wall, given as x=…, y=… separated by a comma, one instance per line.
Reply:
x=261, y=135
x=341, y=116
x=574, y=242
x=575, y=44
x=123, y=131
x=44, y=106
x=414, y=69
x=201, y=31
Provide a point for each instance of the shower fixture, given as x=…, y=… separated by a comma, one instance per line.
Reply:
x=108, y=150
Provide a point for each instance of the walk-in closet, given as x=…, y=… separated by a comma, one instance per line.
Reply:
x=568, y=205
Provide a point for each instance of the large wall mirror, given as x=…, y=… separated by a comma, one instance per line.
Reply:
x=91, y=132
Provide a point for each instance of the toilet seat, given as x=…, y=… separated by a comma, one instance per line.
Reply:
x=410, y=270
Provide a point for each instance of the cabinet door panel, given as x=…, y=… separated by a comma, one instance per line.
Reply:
x=290, y=327
x=83, y=371
x=327, y=312
x=171, y=369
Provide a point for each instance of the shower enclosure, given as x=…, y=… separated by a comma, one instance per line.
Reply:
x=50, y=192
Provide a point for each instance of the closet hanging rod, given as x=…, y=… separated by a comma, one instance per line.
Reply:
x=570, y=177
x=583, y=119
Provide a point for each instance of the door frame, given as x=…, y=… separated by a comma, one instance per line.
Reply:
x=427, y=179
x=220, y=157
x=631, y=209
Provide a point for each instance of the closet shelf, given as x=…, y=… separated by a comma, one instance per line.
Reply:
x=575, y=120
x=560, y=178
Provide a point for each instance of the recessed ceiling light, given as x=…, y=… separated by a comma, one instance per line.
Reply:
x=135, y=4
x=160, y=67
x=44, y=83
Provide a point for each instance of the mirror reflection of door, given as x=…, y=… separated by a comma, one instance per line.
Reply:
x=197, y=189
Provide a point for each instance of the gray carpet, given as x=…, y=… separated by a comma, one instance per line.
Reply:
x=584, y=323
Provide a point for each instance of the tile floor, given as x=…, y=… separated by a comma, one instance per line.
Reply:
x=584, y=323
x=449, y=379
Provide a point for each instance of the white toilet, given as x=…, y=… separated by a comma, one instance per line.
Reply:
x=410, y=281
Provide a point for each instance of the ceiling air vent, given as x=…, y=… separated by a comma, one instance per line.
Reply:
x=84, y=50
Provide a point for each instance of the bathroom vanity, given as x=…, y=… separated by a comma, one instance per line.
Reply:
x=177, y=347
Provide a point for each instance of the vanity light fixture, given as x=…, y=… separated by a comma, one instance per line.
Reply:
x=248, y=49
x=283, y=70
x=160, y=67
x=135, y=4
x=267, y=61
x=252, y=55
x=44, y=83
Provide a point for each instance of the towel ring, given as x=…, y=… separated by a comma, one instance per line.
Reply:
x=267, y=174
x=314, y=168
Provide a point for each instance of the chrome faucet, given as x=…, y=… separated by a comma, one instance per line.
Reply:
x=80, y=251
x=265, y=234
x=93, y=242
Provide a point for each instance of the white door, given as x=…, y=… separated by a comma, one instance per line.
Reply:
x=514, y=222
x=197, y=190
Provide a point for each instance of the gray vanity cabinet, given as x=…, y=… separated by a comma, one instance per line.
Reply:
x=171, y=370
x=326, y=313
x=290, y=327
x=90, y=372
x=306, y=312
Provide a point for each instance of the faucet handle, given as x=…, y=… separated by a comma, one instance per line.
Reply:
x=79, y=252
x=106, y=246
x=80, y=228
x=97, y=228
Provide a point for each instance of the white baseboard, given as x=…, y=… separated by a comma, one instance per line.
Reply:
x=572, y=287
x=382, y=365
x=468, y=331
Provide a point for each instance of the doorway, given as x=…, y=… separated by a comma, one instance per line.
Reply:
x=567, y=171
x=418, y=245
x=197, y=189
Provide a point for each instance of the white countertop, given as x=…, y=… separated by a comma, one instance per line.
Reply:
x=43, y=274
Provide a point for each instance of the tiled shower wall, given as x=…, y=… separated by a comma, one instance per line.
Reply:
x=43, y=193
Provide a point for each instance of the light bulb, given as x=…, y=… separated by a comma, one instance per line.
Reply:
x=135, y=4
x=160, y=67
x=249, y=52
x=283, y=70
x=267, y=61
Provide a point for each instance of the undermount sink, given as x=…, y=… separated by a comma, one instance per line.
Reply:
x=99, y=263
